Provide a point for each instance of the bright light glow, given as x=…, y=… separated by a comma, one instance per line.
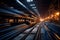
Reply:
x=29, y=0
x=41, y=19
x=57, y=13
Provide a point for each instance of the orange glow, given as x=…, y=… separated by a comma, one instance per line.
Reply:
x=52, y=15
x=57, y=13
x=48, y=17
x=11, y=20
x=41, y=19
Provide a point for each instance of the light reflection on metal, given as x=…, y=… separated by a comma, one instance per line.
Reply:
x=24, y=6
x=15, y=10
x=21, y=3
x=57, y=36
x=37, y=12
x=11, y=9
x=9, y=12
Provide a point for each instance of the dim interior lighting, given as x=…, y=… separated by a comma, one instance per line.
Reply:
x=29, y=0
x=11, y=7
x=11, y=20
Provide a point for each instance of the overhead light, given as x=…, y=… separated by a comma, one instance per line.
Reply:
x=32, y=4
x=29, y=0
x=33, y=7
